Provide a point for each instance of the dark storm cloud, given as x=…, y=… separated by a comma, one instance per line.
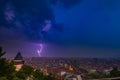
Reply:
x=27, y=18
x=70, y=3
x=24, y=17
x=66, y=3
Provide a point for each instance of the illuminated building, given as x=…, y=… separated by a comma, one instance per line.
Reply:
x=18, y=60
x=70, y=68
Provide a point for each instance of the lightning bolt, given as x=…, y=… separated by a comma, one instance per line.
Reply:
x=40, y=50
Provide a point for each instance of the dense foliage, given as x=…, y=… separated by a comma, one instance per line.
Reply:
x=115, y=72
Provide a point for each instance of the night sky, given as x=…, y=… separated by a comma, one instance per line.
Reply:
x=64, y=28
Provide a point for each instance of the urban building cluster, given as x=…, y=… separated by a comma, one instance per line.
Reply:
x=72, y=68
x=68, y=68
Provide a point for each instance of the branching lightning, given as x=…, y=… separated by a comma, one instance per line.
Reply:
x=39, y=51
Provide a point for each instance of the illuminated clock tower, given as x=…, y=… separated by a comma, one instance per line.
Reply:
x=18, y=61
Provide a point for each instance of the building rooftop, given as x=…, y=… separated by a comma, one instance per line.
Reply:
x=18, y=56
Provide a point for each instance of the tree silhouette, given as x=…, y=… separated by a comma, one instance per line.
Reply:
x=115, y=72
x=49, y=77
x=1, y=52
x=38, y=75
x=7, y=68
x=24, y=72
